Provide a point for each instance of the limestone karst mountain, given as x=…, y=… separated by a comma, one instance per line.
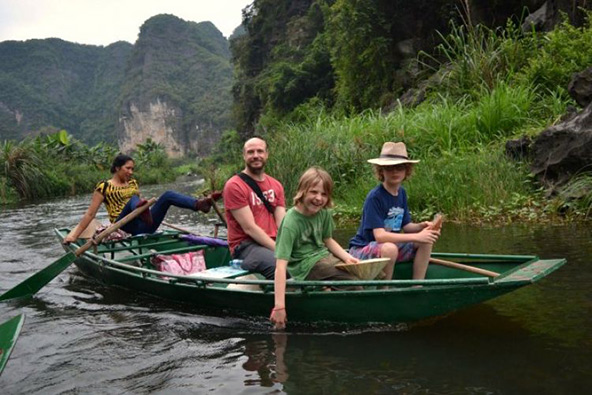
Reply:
x=172, y=85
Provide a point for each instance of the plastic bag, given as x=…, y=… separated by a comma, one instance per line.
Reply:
x=180, y=264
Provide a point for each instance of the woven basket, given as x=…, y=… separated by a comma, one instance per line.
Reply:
x=365, y=270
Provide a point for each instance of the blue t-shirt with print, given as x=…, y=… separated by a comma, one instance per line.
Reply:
x=381, y=210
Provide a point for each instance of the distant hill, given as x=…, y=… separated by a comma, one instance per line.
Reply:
x=172, y=85
x=55, y=83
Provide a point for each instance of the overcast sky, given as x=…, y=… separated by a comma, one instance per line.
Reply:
x=102, y=22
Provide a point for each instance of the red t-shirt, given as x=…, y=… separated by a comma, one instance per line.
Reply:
x=238, y=194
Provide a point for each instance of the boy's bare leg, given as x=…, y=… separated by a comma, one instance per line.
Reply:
x=391, y=251
x=421, y=261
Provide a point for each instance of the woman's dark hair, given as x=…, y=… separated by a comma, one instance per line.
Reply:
x=119, y=161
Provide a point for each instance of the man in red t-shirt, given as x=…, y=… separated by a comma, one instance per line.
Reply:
x=252, y=228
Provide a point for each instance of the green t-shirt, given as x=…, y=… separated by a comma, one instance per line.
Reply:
x=300, y=240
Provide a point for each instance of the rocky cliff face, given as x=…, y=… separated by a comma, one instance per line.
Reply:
x=151, y=123
x=177, y=89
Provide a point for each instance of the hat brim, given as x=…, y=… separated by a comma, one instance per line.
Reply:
x=390, y=161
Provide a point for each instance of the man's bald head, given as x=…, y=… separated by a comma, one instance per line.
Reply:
x=254, y=141
x=255, y=155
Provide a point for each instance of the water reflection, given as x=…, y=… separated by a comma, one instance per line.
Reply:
x=266, y=357
x=478, y=352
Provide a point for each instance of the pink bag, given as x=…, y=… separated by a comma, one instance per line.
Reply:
x=180, y=264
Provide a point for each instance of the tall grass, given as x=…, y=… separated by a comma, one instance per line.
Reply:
x=23, y=169
x=578, y=193
x=456, y=181
x=479, y=57
x=464, y=186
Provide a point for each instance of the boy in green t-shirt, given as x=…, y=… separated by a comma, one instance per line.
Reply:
x=305, y=245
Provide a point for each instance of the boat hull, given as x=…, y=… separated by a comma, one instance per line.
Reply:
x=443, y=291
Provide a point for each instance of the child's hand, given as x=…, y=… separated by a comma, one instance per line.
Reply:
x=428, y=236
x=351, y=259
x=278, y=317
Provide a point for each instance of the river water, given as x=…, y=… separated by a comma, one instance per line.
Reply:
x=83, y=337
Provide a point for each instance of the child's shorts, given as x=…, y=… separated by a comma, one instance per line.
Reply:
x=406, y=251
x=325, y=270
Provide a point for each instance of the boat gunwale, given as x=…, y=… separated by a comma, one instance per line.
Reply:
x=200, y=281
x=306, y=285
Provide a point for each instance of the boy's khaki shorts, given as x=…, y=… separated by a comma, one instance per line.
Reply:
x=325, y=270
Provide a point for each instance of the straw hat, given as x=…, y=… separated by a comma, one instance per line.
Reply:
x=365, y=270
x=392, y=154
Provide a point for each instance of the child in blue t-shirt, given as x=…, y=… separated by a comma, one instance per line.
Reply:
x=305, y=246
x=386, y=229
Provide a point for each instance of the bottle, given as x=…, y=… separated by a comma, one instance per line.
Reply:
x=235, y=263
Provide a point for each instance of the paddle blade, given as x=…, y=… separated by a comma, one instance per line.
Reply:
x=38, y=280
x=9, y=332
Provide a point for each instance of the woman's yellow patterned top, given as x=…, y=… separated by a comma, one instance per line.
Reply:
x=116, y=197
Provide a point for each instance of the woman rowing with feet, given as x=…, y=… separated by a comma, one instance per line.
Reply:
x=121, y=196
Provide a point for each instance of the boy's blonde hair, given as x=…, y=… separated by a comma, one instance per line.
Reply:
x=309, y=179
x=379, y=172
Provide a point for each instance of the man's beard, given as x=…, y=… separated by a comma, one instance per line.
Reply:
x=256, y=170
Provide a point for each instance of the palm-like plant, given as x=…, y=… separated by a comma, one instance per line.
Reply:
x=150, y=154
x=23, y=168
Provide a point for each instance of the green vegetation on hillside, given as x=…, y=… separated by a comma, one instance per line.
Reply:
x=351, y=55
x=48, y=85
x=52, y=84
x=492, y=85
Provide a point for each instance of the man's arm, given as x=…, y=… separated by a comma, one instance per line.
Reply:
x=244, y=217
x=279, y=214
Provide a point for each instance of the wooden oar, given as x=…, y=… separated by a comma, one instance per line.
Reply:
x=179, y=228
x=217, y=210
x=9, y=332
x=467, y=268
x=38, y=280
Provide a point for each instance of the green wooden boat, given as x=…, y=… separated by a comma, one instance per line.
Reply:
x=9, y=332
x=220, y=288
